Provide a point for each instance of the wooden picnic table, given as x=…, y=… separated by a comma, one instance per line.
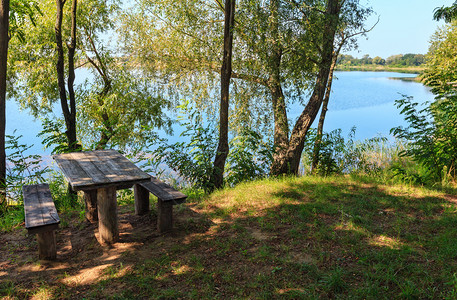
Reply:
x=99, y=174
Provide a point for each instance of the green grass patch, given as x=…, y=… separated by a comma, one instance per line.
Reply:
x=311, y=237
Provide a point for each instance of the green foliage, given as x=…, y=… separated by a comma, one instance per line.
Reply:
x=192, y=161
x=399, y=60
x=22, y=11
x=21, y=168
x=250, y=158
x=53, y=135
x=432, y=136
x=447, y=13
x=63, y=200
x=441, y=69
x=340, y=156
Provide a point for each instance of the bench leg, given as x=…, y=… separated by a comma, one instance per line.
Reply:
x=90, y=198
x=47, y=245
x=165, y=216
x=107, y=215
x=141, y=199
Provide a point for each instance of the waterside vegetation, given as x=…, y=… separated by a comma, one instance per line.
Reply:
x=367, y=219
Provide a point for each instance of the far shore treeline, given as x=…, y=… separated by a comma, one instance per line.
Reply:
x=410, y=62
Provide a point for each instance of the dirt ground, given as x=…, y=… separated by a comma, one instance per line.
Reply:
x=81, y=258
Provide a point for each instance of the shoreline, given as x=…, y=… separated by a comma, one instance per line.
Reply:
x=367, y=68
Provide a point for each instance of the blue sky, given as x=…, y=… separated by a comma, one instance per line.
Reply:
x=405, y=26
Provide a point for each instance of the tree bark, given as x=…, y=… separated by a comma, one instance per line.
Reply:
x=320, y=126
x=281, y=128
x=69, y=111
x=4, y=39
x=290, y=163
x=226, y=72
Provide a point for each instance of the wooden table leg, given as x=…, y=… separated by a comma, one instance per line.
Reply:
x=107, y=214
x=47, y=245
x=90, y=198
x=164, y=215
x=141, y=199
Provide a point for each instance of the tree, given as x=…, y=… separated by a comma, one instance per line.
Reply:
x=379, y=61
x=11, y=18
x=446, y=13
x=4, y=39
x=441, y=69
x=289, y=160
x=226, y=74
x=116, y=106
x=68, y=104
x=350, y=28
x=283, y=51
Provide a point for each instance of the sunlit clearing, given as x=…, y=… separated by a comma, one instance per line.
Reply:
x=385, y=241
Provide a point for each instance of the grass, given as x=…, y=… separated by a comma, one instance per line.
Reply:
x=310, y=237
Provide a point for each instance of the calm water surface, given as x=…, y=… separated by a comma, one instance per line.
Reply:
x=361, y=99
x=367, y=100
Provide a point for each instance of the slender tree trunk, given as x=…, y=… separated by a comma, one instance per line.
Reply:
x=69, y=111
x=71, y=76
x=4, y=39
x=281, y=129
x=320, y=126
x=226, y=72
x=291, y=161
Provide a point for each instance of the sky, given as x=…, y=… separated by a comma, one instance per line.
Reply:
x=405, y=26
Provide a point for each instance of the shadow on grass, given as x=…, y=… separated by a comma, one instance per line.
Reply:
x=322, y=239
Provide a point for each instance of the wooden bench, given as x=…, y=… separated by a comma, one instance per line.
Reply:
x=41, y=218
x=167, y=197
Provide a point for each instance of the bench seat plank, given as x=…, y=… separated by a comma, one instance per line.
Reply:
x=163, y=191
x=40, y=212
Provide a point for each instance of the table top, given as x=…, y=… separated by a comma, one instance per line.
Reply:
x=90, y=170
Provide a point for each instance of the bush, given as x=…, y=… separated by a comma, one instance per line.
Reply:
x=431, y=136
x=340, y=156
x=250, y=158
x=192, y=161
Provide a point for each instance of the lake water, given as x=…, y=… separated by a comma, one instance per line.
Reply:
x=361, y=99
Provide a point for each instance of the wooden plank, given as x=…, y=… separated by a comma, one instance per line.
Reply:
x=41, y=229
x=106, y=158
x=72, y=171
x=39, y=206
x=91, y=170
x=163, y=191
x=120, y=166
x=83, y=159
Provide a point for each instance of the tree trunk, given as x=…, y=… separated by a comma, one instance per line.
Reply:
x=291, y=161
x=226, y=72
x=4, y=39
x=281, y=129
x=69, y=112
x=71, y=77
x=320, y=126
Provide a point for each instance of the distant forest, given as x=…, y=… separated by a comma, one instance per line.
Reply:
x=399, y=60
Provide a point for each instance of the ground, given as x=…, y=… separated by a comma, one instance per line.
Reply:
x=294, y=238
